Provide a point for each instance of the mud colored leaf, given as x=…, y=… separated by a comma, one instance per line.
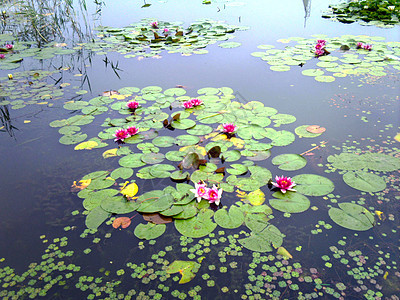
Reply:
x=156, y=218
x=122, y=222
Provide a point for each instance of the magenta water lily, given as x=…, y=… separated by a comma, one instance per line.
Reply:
x=154, y=24
x=212, y=195
x=229, y=128
x=122, y=134
x=284, y=184
x=364, y=46
x=9, y=46
x=320, y=48
x=2, y=56
x=132, y=105
x=192, y=103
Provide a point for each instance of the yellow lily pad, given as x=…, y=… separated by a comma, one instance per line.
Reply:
x=89, y=145
x=110, y=153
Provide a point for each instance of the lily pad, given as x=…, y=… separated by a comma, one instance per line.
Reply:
x=96, y=217
x=289, y=162
x=198, y=226
x=149, y=231
x=290, y=202
x=364, y=181
x=313, y=185
x=352, y=216
x=232, y=219
x=184, y=268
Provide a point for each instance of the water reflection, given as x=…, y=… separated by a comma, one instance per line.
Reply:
x=5, y=121
x=307, y=9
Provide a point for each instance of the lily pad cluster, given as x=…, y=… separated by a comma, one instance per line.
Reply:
x=149, y=37
x=23, y=49
x=197, y=151
x=357, y=169
x=384, y=14
x=344, y=58
x=30, y=87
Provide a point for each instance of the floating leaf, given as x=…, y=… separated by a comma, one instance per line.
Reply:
x=149, y=231
x=364, y=181
x=289, y=162
x=110, y=153
x=263, y=240
x=290, y=202
x=315, y=129
x=313, y=185
x=231, y=220
x=124, y=222
x=184, y=268
x=352, y=216
x=76, y=187
x=118, y=205
x=156, y=218
x=381, y=162
x=156, y=204
x=347, y=161
x=282, y=251
x=198, y=226
x=122, y=172
x=96, y=217
x=129, y=190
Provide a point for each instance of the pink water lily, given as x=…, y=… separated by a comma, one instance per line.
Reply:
x=121, y=135
x=229, y=128
x=132, y=104
x=214, y=195
x=2, y=56
x=9, y=46
x=187, y=104
x=367, y=47
x=166, y=30
x=132, y=130
x=154, y=24
x=196, y=102
x=284, y=184
x=320, y=48
x=359, y=45
x=200, y=191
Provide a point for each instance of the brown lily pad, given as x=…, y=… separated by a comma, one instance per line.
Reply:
x=124, y=222
x=156, y=218
x=315, y=129
x=110, y=93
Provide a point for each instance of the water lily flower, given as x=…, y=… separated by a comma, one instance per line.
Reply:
x=319, y=52
x=187, y=104
x=214, y=195
x=154, y=24
x=367, y=47
x=391, y=7
x=200, y=191
x=196, y=102
x=284, y=184
x=10, y=76
x=132, y=104
x=132, y=130
x=229, y=128
x=321, y=42
x=9, y=46
x=121, y=135
x=359, y=45
x=2, y=56
x=166, y=30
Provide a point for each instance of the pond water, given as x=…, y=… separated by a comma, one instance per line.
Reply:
x=64, y=89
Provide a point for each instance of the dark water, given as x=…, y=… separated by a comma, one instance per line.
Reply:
x=37, y=171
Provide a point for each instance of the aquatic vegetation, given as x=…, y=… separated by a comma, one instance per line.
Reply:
x=132, y=105
x=344, y=59
x=145, y=39
x=229, y=128
x=380, y=13
x=284, y=183
x=121, y=134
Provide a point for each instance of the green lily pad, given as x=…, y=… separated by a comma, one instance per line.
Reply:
x=289, y=162
x=347, y=161
x=263, y=241
x=352, y=216
x=313, y=185
x=183, y=124
x=229, y=45
x=364, y=181
x=186, y=140
x=164, y=141
x=122, y=172
x=155, y=203
x=301, y=131
x=161, y=170
x=198, y=226
x=96, y=217
x=231, y=155
x=152, y=158
x=200, y=129
x=237, y=169
x=132, y=161
x=149, y=231
x=381, y=162
x=290, y=202
x=230, y=220
x=184, y=268
x=118, y=205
